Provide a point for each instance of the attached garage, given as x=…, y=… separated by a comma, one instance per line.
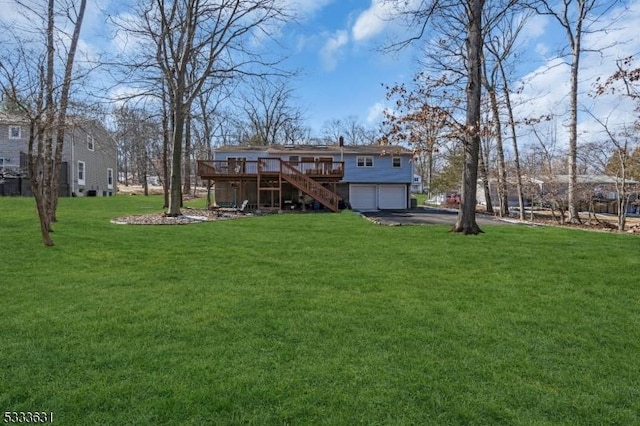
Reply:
x=374, y=197
x=392, y=197
x=363, y=197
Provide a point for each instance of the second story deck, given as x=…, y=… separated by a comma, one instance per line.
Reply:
x=233, y=169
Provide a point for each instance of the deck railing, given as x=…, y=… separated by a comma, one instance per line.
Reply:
x=220, y=168
x=309, y=186
x=212, y=169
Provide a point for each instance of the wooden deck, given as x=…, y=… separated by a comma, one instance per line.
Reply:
x=269, y=176
x=220, y=170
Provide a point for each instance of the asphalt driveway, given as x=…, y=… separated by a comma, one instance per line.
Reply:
x=425, y=216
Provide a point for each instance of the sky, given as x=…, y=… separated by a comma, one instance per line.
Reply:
x=346, y=70
x=336, y=45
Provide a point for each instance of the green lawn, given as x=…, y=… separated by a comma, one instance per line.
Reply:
x=314, y=319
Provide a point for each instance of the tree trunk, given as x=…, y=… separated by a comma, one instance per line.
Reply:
x=187, y=155
x=502, y=169
x=429, y=174
x=145, y=173
x=43, y=161
x=165, y=155
x=466, y=222
x=45, y=225
x=62, y=113
x=36, y=169
x=572, y=195
x=622, y=211
x=485, y=182
x=175, y=188
x=621, y=195
x=514, y=138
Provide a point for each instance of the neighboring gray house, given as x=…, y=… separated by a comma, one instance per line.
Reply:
x=366, y=177
x=595, y=191
x=89, y=158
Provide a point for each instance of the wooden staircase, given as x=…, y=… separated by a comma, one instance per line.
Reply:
x=309, y=186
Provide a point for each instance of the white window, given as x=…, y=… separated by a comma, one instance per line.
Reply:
x=365, y=161
x=90, y=143
x=15, y=132
x=109, y=178
x=81, y=172
x=396, y=162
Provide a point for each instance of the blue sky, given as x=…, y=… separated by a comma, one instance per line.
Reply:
x=335, y=45
x=344, y=69
x=343, y=72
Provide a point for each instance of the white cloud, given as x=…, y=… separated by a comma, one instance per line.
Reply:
x=374, y=115
x=542, y=49
x=546, y=89
x=535, y=28
x=307, y=8
x=372, y=21
x=11, y=14
x=331, y=51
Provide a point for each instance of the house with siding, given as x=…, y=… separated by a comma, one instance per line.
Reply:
x=89, y=158
x=598, y=192
x=364, y=177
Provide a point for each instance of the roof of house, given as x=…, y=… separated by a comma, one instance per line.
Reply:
x=72, y=120
x=320, y=149
x=595, y=179
x=11, y=118
x=591, y=179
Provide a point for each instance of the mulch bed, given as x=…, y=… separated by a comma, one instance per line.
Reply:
x=188, y=216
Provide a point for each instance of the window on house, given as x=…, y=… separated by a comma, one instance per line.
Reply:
x=396, y=162
x=15, y=132
x=81, y=172
x=90, y=143
x=109, y=178
x=365, y=161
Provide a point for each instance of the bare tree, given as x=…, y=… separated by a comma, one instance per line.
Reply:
x=332, y=129
x=460, y=52
x=356, y=133
x=545, y=167
x=483, y=169
x=627, y=78
x=270, y=111
x=500, y=45
x=350, y=129
x=137, y=131
x=295, y=131
x=614, y=156
x=29, y=75
x=194, y=41
x=466, y=222
x=490, y=83
x=577, y=18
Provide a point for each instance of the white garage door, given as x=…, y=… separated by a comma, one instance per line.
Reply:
x=363, y=197
x=392, y=197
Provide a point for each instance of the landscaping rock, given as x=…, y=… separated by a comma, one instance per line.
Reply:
x=189, y=216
